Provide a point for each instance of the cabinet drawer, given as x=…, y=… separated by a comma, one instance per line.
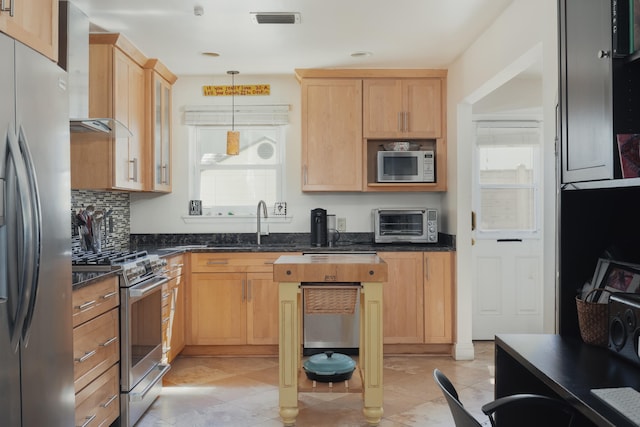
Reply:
x=98, y=404
x=219, y=262
x=95, y=348
x=95, y=299
x=174, y=267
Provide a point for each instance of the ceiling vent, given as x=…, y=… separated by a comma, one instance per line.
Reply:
x=275, y=17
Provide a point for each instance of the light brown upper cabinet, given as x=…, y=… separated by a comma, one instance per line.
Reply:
x=34, y=23
x=159, y=83
x=402, y=108
x=117, y=90
x=348, y=115
x=332, y=135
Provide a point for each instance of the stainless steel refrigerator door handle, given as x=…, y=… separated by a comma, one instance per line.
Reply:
x=35, y=244
x=16, y=171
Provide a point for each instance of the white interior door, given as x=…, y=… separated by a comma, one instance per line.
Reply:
x=507, y=230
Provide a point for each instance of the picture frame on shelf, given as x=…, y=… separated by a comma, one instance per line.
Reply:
x=629, y=154
x=618, y=277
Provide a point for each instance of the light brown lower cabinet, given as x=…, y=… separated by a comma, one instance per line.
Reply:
x=173, y=309
x=439, y=297
x=98, y=403
x=402, y=298
x=232, y=299
x=418, y=297
x=96, y=352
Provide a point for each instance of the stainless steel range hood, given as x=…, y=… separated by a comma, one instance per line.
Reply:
x=73, y=57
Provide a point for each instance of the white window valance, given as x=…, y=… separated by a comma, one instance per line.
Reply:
x=244, y=115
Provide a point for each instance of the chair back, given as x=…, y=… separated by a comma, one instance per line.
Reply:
x=461, y=416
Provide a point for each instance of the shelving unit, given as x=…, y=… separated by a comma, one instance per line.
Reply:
x=368, y=270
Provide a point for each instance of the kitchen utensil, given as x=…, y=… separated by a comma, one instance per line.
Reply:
x=329, y=367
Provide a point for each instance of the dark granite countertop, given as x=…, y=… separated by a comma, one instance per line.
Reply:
x=167, y=245
x=80, y=279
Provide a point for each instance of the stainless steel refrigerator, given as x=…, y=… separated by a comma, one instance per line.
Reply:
x=36, y=348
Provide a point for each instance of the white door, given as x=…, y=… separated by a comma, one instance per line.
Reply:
x=507, y=221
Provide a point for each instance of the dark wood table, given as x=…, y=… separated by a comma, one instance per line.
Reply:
x=562, y=367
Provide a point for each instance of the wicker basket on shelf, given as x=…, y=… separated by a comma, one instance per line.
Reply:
x=593, y=319
x=324, y=299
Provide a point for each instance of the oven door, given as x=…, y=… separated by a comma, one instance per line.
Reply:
x=140, y=330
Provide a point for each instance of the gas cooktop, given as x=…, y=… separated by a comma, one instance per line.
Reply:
x=108, y=258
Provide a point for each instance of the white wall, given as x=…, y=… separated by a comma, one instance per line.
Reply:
x=527, y=29
x=151, y=213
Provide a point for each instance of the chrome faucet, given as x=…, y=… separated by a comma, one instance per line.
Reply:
x=264, y=212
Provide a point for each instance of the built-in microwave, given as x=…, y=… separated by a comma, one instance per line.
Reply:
x=406, y=166
x=405, y=225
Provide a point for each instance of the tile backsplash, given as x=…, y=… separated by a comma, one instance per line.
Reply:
x=115, y=227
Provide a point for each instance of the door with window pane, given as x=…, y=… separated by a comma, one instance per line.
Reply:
x=507, y=249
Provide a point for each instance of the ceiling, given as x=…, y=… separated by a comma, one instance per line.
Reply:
x=399, y=33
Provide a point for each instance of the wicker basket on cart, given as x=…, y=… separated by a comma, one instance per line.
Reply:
x=330, y=299
x=593, y=319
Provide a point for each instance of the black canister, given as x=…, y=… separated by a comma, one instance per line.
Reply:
x=319, y=227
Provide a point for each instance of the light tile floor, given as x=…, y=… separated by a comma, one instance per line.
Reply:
x=239, y=392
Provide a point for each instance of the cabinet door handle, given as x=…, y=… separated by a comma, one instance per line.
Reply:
x=426, y=269
x=86, y=356
x=9, y=9
x=249, y=290
x=165, y=174
x=109, y=341
x=212, y=262
x=406, y=121
x=400, y=121
x=134, y=162
x=602, y=54
x=304, y=174
x=109, y=295
x=86, y=305
x=88, y=420
x=243, y=290
x=110, y=401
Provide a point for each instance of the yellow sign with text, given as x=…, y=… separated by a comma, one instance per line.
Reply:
x=240, y=90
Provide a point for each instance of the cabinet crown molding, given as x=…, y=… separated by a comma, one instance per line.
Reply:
x=321, y=73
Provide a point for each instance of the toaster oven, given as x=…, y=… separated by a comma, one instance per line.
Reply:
x=405, y=225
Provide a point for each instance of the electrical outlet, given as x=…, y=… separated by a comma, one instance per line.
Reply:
x=342, y=224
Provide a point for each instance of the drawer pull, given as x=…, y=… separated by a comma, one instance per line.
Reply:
x=165, y=320
x=109, y=295
x=88, y=420
x=86, y=356
x=86, y=305
x=212, y=262
x=167, y=295
x=110, y=401
x=174, y=266
x=109, y=341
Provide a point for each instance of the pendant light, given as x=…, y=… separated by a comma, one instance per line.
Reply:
x=233, y=136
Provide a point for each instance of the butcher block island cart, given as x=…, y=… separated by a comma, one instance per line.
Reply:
x=328, y=279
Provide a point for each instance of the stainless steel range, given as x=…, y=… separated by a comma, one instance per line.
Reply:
x=141, y=370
